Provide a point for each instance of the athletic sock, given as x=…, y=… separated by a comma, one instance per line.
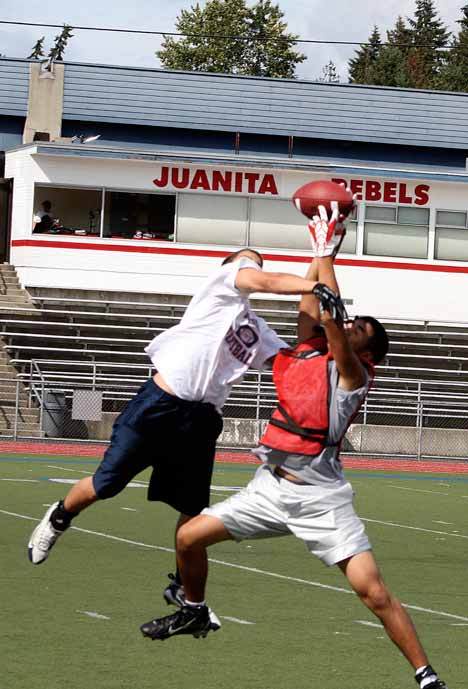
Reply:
x=191, y=604
x=61, y=518
x=425, y=675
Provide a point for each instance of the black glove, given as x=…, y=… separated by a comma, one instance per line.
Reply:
x=331, y=302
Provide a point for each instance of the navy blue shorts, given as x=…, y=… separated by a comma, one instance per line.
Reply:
x=175, y=437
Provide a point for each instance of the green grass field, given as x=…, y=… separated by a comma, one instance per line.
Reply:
x=282, y=627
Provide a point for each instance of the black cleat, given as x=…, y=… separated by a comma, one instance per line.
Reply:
x=188, y=620
x=174, y=593
x=429, y=674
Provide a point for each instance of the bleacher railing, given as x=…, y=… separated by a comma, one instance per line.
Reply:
x=406, y=415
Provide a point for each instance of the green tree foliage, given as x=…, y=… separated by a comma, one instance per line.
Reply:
x=273, y=56
x=362, y=65
x=58, y=49
x=424, y=64
x=38, y=50
x=454, y=75
x=329, y=74
x=391, y=67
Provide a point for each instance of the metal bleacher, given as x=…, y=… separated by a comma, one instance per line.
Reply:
x=69, y=341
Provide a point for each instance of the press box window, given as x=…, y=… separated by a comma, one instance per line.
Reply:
x=130, y=215
x=215, y=219
x=451, y=241
x=58, y=210
x=277, y=224
x=401, y=232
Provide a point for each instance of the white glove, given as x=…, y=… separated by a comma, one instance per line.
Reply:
x=327, y=233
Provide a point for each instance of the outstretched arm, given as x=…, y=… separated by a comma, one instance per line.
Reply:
x=308, y=319
x=252, y=280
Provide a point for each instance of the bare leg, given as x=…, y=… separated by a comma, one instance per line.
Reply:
x=193, y=538
x=365, y=578
x=80, y=496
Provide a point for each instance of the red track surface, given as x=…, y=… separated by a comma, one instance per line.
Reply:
x=370, y=463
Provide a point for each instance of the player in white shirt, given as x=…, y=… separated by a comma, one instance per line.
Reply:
x=174, y=420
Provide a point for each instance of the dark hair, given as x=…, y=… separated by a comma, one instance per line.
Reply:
x=378, y=343
x=232, y=257
x=47, y=203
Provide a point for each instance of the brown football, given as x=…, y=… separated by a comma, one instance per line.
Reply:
x=321, y=193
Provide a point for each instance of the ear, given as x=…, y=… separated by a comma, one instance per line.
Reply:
x=367, y=356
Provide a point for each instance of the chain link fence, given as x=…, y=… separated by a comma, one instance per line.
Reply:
x=81, y=400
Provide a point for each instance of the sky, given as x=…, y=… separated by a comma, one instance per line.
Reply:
x=336, y=20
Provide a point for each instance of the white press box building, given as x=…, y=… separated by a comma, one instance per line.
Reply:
x=189, y=167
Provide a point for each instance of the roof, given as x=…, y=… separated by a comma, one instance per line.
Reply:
x=219, y=102
x=14, y=87
x=166, y=155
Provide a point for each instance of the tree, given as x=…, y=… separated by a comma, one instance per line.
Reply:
x=425, y=63
x=329, y=74
x=454, y=75
x=264, y=49
x=362, y=65
x=274, y=57
x=56, y=53
x=38, y=50
x=391, y=66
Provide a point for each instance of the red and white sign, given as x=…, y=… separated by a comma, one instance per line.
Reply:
x=387, y=192
x=217, y=180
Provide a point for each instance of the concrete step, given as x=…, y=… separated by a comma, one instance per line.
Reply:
x=25, y=415
x=7, y=372
x=22, y=432
x=10, y=396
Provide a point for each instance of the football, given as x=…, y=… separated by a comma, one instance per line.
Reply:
x=313, y=194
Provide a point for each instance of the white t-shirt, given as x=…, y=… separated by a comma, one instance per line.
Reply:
x=217, y=340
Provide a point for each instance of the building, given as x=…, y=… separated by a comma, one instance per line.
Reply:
x=189, y=167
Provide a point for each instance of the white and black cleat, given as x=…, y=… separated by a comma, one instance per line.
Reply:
x=191, y=620
x=43, y=538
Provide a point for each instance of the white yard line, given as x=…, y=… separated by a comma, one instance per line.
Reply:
x=73, y=471
x=21, y=480
x=235, y=619
x=417, y=490
x=243, y=568
x=129, y=509
x=369, y=624
x=414, y=528
x=96, y=615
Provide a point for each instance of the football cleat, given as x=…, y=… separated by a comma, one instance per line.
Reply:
x=174, y=593
x=43, y=538
x=431, y=679
x=188, y=620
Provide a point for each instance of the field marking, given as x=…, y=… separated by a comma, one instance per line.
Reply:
x=369, y=624
x=414, y=528
x=418, y=490
x=458, y=624
x=21, y=480
x=434, y=521
x=235, y=619
x=73, y=471
x=243, y=568
x=129, y=509
x=96, y=615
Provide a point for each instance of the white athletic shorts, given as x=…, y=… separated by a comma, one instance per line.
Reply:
x=324, y=518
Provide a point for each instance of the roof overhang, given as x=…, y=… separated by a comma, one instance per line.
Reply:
x=299, y=164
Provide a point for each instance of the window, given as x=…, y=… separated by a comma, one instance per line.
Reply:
x=67, y=211
x=205, y=219
x=131, y=215
x=278, y=224
x=451, y=241
x=396, y=231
